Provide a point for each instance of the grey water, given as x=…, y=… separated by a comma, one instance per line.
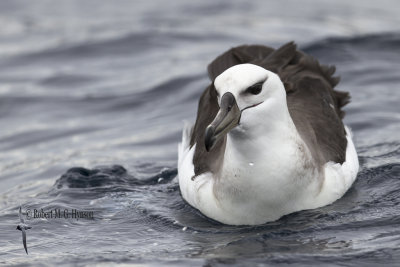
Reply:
x=93, y=96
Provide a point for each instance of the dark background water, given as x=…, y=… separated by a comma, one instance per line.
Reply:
x=96, y=85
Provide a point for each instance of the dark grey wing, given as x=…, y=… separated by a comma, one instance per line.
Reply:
x=314, y=105
x=237, y=55
x=20, y=215
x=204, y=161
x=279, y=58
x=24, y=239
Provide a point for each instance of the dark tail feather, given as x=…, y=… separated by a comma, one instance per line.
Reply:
x=342, y=98
x=241, y=55
x=280, y=57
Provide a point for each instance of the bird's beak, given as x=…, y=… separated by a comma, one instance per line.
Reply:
x=227, y=118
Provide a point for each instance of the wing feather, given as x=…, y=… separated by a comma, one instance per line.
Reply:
x=312, y=101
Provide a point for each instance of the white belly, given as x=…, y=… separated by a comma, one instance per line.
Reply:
x=257, y=199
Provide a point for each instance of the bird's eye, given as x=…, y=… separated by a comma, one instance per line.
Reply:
x=255, y=89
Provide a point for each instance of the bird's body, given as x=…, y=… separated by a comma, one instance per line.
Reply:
x=268, y=139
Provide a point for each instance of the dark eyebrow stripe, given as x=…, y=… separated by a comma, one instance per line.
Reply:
x=262, y=82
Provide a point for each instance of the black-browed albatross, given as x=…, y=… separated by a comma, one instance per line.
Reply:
x=268, y=139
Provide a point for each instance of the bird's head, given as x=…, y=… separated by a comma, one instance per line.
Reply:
x=247, y=95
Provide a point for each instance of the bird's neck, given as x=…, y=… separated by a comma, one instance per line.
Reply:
x=272, y=135
x=275, y=139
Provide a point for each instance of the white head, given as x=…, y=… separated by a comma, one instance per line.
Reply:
x=248, y=95
x=250, y=84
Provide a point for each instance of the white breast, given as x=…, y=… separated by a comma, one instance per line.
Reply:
x=250, y=192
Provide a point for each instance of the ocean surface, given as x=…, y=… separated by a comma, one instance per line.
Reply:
x=93, y=96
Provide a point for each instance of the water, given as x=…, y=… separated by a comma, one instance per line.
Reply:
x=104, y=89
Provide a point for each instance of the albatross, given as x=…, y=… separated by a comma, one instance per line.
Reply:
x=268, y=138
